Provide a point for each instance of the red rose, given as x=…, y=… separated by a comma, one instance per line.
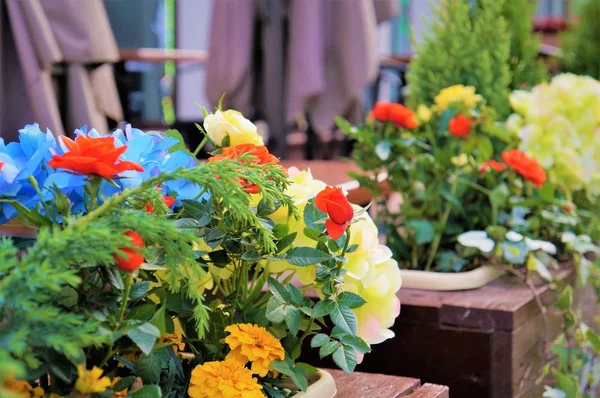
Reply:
x=340, y=212
x=491, y=164
x=529, y=168
x=132, y=259
x=93, y=156
x=259, y=155
x=398, y=114
x=167, y=200
x=460, y=126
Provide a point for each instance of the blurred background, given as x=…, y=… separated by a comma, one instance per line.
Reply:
x=289, y=65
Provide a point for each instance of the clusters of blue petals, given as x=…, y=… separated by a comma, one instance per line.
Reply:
x=26, y=167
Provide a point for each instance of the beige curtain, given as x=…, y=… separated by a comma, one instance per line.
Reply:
x=40, y=37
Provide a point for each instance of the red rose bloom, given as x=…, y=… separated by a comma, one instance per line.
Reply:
x=167, y=200
x=93, y=156
x=398, y=114
x=340, y=212
x=529, y=168
x=460, y=126
x=259, y=155
x=491, y=164
x=132, y=259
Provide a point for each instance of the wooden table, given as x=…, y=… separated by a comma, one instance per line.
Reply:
x=364, y=385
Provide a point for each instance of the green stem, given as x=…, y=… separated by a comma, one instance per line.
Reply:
x=200, y=146
x=37, y=189
x=476, y=186
x=95, y=190
x=126, y=292
x=442, y=227
x=307, y=331
x=346, y=244
x=414, y=259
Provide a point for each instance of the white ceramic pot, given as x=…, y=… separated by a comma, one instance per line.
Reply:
x=426, y=280
x=321, y=385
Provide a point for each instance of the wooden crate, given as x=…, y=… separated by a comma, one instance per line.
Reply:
x=481, y=343
x=364, y=385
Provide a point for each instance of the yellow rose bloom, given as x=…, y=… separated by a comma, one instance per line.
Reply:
x=224, y=379
x=231, y=123
x=457, y=94
x=22, y=388
x=91, y=381
x=423, y=113
x=252, y=343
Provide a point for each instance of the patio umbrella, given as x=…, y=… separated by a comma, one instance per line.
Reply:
x=41, y=37
x=284, y=58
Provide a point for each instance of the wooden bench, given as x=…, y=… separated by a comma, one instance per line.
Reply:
x=364, y=385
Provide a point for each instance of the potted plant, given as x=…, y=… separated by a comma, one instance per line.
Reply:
x=153, y=275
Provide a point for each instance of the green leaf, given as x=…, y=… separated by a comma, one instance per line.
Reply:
x=114, y=277
x=67, y=297
x=283, y=367
x=547, y=192
x=139, y=290
x=565, y=299
x=312, y=215
x=486, y=149
x=350, y=300
x=251, y=256
x=304, y=256
x=158, y=320
x=328, y=348
x=308, y=369
x=424, y=231
x=344, y=318
x=281, y=230
x=323, y=307
x=214, y=237
x=356, y=342
x=594, y=340
x=286, y=241
x=292, y=319
x=151, y=391
x=499, y=195
x=186, y=224
x=452, y=199
x=149, y=368
x=124, y=383
x=275, y=310
x=296, y=295
x=312, y=233
x=144, y=336
x=345, y=126
x=180, y=146
x=567, y=382
x=345, y=358
x=299, y=379
x=318, y=340
x=278, y=290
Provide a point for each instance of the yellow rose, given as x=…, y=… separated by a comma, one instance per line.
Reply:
x=231, y=123
x=457, y=94
x=423, y=113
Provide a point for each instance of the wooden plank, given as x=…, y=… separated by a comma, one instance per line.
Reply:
x=363, y=385
x=430, y=391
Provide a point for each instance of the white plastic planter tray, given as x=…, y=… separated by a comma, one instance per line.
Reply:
x=426, y=280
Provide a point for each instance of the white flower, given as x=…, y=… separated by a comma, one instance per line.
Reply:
x=532, y=244
x=477, y=239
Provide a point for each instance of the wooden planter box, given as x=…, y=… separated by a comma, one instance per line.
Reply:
x=481, y=343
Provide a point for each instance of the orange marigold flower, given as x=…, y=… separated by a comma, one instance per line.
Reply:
x=258, y=155
x=223, y=379
x=176, y=338
x=252, y=343
x=332, y=201
x=117, y=394
x=93, y=156
x=460, y=126
x=528, y=167
x=132, y=259
x=91, y=381
x=491, y=164
x=22, y=388
x=398, y=114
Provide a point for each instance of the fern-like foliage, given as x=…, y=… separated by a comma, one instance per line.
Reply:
x=581, y=44
x=467, y=45
x=64, y=295
x=525, y=67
